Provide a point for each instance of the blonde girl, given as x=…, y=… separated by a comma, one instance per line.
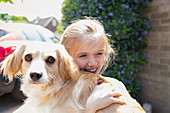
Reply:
x=86, y=41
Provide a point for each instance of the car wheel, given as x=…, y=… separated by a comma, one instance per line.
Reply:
x=17, y=93
x=5, y=85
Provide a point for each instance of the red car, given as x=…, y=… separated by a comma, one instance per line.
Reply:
x=11, y=34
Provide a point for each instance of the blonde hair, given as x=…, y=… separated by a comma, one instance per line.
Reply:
x=82, y=30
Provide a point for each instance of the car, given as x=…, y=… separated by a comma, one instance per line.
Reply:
x=11, y=35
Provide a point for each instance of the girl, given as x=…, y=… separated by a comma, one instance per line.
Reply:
x=86, y=41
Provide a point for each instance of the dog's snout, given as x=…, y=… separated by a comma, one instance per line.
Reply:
x=35, y=76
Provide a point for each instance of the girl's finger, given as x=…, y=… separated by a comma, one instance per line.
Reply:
x=116, y=95
x=118, y=101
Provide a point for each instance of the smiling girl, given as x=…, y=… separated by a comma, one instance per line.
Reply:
x=86, y=41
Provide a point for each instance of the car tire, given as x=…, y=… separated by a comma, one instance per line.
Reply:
x=6, y=86
x=17, y=93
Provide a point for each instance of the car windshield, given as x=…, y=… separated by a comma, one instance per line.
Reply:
x=2, y=33
x=34, y=36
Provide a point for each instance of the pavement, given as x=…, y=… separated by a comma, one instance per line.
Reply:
x=8, y=104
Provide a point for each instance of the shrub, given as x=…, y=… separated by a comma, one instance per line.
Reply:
x=124, y=21
x=8, y=18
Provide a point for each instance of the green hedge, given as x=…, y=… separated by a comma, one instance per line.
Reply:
x=124, y=21
x=7, y=18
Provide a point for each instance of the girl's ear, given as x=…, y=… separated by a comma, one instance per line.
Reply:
x=12, y=64
x=66, y=67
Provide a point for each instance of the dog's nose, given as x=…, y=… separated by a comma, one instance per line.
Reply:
x=35, y=76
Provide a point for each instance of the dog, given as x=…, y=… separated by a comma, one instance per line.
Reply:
x=53, y=83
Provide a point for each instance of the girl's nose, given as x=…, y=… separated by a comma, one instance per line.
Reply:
x=92, y=62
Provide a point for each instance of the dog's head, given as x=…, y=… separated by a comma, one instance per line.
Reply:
x=41, y=63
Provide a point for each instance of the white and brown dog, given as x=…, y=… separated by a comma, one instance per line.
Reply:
x=53, y=83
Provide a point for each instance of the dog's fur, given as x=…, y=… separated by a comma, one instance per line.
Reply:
x=53, y=83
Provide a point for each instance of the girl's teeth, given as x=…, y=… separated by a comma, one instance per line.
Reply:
x=92, y=70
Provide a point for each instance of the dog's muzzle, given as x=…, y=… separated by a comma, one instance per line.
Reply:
x=35, y=76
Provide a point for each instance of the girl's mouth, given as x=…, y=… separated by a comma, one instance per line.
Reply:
x=91, y=70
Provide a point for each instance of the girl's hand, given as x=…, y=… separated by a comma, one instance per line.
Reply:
x=102, y=96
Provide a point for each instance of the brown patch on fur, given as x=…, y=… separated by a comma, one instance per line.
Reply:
x=13, y=63
x=64, y=66
x=44, y=99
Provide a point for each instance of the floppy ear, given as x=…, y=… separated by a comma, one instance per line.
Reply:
x=66, y=67
x=12, y=64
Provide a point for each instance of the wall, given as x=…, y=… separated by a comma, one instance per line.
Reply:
x=155, y=77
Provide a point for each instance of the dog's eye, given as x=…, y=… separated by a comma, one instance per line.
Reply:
x=28, y=57
x=50, y=60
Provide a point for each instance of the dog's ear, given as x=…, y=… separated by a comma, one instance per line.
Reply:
x=66, y=67
x=12, y=64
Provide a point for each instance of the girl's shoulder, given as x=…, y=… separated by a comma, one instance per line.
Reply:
x=113, y=80
x=116, y=84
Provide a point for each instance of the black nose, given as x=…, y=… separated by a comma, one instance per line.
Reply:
x=35, y=76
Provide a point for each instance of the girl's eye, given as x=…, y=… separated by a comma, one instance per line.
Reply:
x=28, y=57
x=82, y=56
x=99, y=53
x=50, y=60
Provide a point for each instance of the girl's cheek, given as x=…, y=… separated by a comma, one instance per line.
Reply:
x=80, y=63
x=101, y=59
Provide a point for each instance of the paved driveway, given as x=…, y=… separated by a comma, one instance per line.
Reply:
x=8, y=104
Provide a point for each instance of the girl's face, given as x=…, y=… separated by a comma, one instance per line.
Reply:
x=89, y=55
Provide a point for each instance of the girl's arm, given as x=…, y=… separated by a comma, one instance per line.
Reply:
x=102, y=96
